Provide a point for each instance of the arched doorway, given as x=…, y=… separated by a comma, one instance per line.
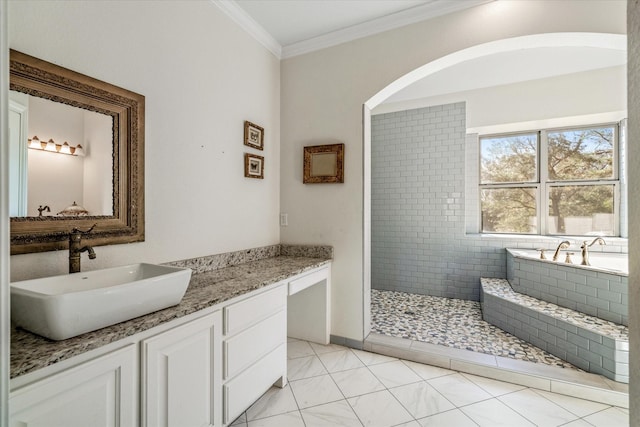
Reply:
x=559, y=40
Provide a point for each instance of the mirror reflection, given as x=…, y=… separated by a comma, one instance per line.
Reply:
x=103, y=188
x=72, y=175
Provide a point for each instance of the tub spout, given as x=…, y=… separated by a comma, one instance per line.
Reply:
x=585, y=249
x=563, y=245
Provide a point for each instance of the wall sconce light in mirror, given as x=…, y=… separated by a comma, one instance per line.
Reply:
x=52, y=146
x=324, y=164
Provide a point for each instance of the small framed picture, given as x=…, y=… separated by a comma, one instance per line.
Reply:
x=323, y=164
x=253, y=135
x=253, y=166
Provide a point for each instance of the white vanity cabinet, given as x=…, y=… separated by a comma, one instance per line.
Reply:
x=181, y=375
x=203, y=369
x=100, y=392
x=254, y=349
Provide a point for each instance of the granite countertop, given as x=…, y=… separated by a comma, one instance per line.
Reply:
x=30, y=352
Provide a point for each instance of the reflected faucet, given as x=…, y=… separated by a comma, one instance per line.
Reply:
x=45, y=208
x=585, y=249
x=76, y=248
x=563, y=245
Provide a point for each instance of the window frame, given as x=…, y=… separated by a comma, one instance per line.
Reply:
x=543, y=184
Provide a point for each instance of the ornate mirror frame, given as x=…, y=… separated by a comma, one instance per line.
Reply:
x=43, y=79
x=323, y=164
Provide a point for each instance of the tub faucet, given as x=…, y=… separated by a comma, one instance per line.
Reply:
x=563, y=245
x=76, y=248
x=585, y=249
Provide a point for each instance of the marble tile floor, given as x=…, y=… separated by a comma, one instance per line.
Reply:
x=337, y=386
x=449, y=322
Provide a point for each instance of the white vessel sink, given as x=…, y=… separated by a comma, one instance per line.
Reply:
x=62, y=307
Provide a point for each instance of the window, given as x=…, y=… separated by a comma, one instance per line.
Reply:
x=559, y=181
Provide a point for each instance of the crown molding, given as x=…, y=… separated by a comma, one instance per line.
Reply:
x=424, y=12
x=247, y=23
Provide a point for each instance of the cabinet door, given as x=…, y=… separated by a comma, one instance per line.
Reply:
x=100, y=392
x=182, y=371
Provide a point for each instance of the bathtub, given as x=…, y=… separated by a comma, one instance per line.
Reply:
x=607, y=262
x=600, y=290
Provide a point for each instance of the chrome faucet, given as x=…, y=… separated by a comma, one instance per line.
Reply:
x=585, y=249
x=563, y=245
x=76, y=248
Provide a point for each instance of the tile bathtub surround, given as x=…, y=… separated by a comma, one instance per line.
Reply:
x=229, y=259
x=421, y=395
x=599, y=294
x=590, y=343
x=30, y=352
x=449, y=322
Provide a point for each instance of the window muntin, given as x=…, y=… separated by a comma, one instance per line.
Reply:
x=556, y=182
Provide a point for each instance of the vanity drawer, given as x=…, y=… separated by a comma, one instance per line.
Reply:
x=247, y=387
x=305, y=281
x=251, y=345
x=245, y=313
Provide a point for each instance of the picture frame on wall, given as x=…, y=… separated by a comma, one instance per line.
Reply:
x=323, y=164
x=253, y=135
x=253, y=166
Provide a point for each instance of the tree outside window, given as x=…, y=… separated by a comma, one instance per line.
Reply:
x=575, y=187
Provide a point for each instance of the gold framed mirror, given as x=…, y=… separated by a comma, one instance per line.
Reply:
x=121, y=220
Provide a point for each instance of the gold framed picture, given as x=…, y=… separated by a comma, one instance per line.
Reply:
x=323, y=164
x=253, y=135
x=253, y=166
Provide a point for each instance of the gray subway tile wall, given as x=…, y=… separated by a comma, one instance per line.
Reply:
x=418, y=214
x=424, y=234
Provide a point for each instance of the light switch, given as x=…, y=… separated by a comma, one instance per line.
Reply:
x=284, y=219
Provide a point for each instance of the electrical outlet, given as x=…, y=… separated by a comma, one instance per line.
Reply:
x=284, y=219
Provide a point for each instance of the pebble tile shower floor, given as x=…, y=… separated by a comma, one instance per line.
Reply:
x=449, y=322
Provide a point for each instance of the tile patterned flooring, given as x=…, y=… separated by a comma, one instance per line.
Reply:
x=449, y=322
x=334, y=386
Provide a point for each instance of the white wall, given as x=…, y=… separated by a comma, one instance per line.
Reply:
x=54, y=180
x=58, y=180
x=634, y=209
x=4, y=219
x=98, y=163
x=578, y=94
x=202, y=76
x=322, y=97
